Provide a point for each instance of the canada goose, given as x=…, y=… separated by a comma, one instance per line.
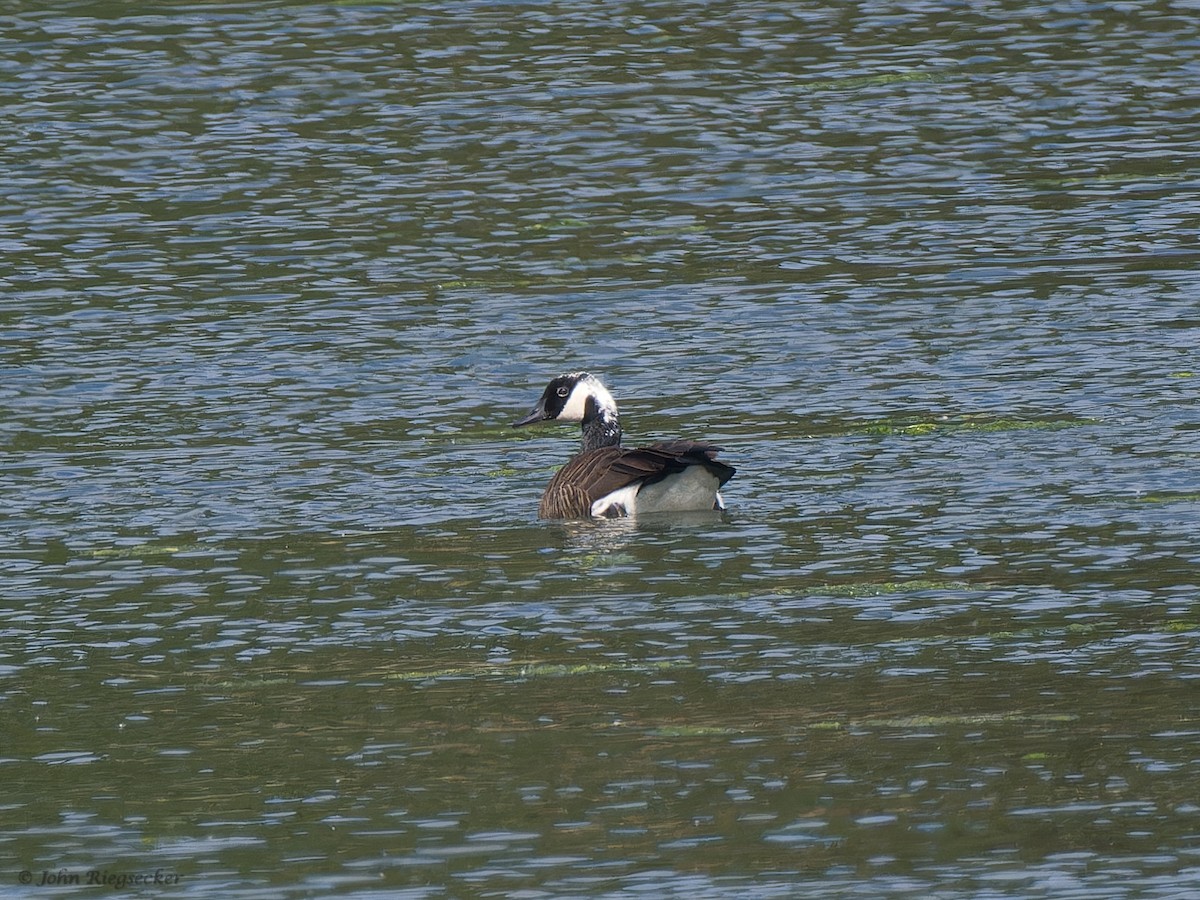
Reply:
x=605, y=479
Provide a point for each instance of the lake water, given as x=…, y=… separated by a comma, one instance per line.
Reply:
x=278, y=617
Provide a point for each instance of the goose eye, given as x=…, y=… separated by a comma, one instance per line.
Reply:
x=562, y=392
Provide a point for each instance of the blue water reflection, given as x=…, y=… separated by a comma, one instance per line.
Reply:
x=280, y=619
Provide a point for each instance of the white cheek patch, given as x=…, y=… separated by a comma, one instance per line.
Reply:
x=572, y=410
x=576, y=404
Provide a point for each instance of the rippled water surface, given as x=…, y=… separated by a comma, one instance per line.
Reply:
x=278, y=617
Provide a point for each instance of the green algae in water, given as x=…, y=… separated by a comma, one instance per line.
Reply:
x=969, y=719
x=941, y=720
x=1179, y=627
x=859, y=82
x=969, y=424
x=884, y=588
x=695, y=731
x=519, y=670
x=503, y=472
x=1168, y=498
x=906, y=723
x=146, y=551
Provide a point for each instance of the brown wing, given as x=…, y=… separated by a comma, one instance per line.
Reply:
x=585, y=478
x=593, y=474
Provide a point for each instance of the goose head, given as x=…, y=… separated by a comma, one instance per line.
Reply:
x=575, y=397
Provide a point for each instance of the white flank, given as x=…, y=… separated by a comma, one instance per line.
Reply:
x=693, y=488
x=620, y=502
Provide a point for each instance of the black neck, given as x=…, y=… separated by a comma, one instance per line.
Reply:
x=601, y=427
